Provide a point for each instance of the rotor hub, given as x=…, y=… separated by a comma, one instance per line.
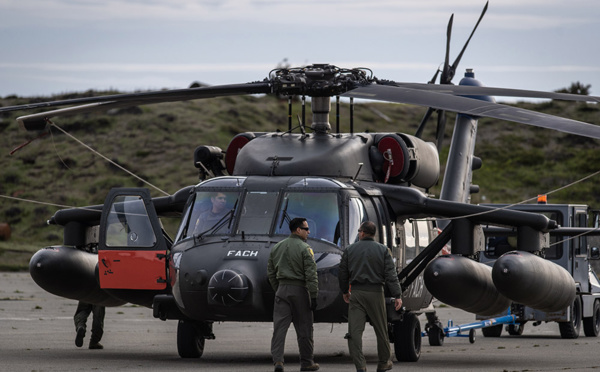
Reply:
x=319, y=80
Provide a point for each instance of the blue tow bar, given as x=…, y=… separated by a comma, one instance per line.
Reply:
x=468, y=330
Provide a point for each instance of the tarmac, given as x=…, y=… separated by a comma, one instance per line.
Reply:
x=37, y=334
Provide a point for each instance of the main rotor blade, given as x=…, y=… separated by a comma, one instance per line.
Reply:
x=452, y=70
x=155, y=96
x=469, y=90
x=419, y=132
x=441, y=128
x=473, y=107
x=38, y=121
x=445, y=78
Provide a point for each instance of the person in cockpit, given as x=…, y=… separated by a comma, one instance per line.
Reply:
x=209, y=218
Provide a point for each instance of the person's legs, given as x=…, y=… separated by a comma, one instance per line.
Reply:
x=357, y=318
x=377, y=314
x=97, y=326
x=282, y=317
x=302, y=317
x=80, y=318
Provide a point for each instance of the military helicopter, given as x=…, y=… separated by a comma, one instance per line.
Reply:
x=119, y=253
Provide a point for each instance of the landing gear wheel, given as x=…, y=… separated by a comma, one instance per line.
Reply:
x=407, y=338
x=591, y=325
x=436, y=335
x=571, y=329
x=515, y=329
x=493, y=331
x=190, y=343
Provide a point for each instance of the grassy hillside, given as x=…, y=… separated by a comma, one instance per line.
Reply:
x=157, y=142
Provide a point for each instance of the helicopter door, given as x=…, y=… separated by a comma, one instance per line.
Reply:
x=132, y=251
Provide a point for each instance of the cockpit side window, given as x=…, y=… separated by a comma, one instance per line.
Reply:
x=356, y=216
x=424, y=236
x=411, y=238
x=321, y=210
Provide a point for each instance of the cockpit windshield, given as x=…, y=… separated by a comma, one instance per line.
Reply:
x=320, y=209
x=256, y=214
x=236, y=211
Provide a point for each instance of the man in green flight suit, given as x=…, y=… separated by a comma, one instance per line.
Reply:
x=292, y=273
x=368, y=266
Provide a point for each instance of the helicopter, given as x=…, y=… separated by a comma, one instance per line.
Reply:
x=119, y=252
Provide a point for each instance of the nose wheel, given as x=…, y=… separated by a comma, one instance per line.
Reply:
x=190, y=340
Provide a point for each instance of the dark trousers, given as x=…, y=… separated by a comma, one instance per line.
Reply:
x=365, y=304
x=81, y=315
x=292, y=304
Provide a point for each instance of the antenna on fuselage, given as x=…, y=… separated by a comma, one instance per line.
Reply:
x=360, y=165
x=337, y=114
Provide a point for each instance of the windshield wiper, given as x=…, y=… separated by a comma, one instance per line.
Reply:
x=284, y=215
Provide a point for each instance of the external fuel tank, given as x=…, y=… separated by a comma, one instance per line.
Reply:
x=70, y=273
x=465, y=284
x=533, y=281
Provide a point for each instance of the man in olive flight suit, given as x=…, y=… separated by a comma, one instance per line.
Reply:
x=367, y=267
x=292, y=273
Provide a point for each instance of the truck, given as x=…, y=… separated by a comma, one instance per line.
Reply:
x=568, y=247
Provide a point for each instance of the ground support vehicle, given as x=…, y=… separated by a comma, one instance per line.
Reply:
x=567, y=247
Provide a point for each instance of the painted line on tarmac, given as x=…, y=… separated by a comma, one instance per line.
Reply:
x=66, y=318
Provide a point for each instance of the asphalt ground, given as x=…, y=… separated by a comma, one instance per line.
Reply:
x=37, y=334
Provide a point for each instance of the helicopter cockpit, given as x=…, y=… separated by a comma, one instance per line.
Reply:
x=251, y=207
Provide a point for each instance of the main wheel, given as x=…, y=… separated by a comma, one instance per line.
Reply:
x=591, y=325
x=190, y=343
x=493, y=331
x=515, y=329
x=571, y=329
x=407, y=338
x=436, y=335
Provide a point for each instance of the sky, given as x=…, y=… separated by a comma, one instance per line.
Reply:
x=59, y=46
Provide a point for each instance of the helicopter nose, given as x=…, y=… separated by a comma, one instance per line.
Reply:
x=228, y=287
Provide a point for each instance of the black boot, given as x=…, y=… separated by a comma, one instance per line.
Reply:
x=79, y=337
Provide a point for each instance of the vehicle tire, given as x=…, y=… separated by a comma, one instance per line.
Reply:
x=436, y=336
x=493, y=331
x=190, y=343
x=591, y=325
x=571, y=329
x=407, y=338
x=515, y=329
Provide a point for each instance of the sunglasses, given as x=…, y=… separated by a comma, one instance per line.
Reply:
x=305, y=228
